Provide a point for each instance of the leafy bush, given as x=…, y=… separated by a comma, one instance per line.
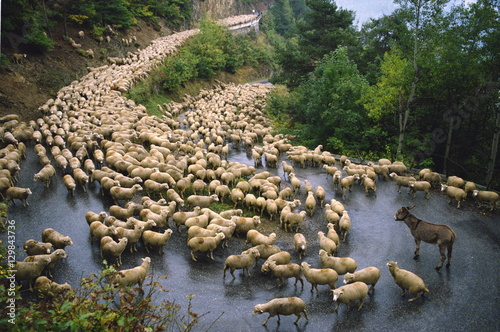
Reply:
x=98, y=306
x=213, y=50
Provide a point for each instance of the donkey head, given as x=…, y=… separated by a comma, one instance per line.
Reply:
x=403, y=213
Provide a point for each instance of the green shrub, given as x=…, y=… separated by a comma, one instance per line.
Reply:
x=98, y=306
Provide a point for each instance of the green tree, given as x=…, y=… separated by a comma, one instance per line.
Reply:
x=284, y=19
x=419, y=14
x=325, y=28
x=385, y=100
x=116, y=12
x=328, y=105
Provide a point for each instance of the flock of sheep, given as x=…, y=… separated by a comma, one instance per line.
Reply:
x=170, y=170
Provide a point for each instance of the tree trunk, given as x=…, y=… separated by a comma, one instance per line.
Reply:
x=448, y=146
x=404, y=121
x=494, y=149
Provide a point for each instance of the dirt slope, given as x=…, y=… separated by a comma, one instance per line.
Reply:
x=26, y=86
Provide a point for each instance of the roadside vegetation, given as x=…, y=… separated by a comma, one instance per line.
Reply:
x=202, y=58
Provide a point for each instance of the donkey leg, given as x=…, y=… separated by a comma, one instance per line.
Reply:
x=442, y=252
x=417, y=249
x=450, y=249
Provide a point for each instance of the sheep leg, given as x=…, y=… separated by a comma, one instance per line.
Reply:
x=415, y=296
x=212, y=255
x=417, y=249
x=335, y=309
x=192, y=256
x=298, y=317
x=265, y=322
x=361, y=302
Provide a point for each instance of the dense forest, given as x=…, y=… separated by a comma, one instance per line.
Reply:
x=32, y=22
x=419, y=85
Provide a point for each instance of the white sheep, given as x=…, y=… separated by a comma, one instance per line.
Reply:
x=57, y=239
x=133, y=235
x=320, y=195
x=369, y=184
x=205, y=244
x=280, y=258
x=407, y=281
x=470, y=187
x=294, y=219
x=45, y=174
x=369, y=276
x=286, y=271
x=44, y=287
x=18, y=57
x=160, y=219
x=282, y=306
x=227, y=230
x=120, y=193
x=54, y=256
x=33, y=247
x=81, y=178
x=317, y=277
x=69, y=183
x=202, y=201
x=347, y=182
x=455, y=181
x=199, y=231
x=350, y=293
x=332, y=234
x=237, y=196
x=300, y=244
x=91, y=216
x=99, y=230
x=267, y=250
x=133, y=276
x=433, y=177
x=310, y=203
x=296, y=183
x=254, y=237
x=454, y=193
x=340, y=264
x=180, y=217
x=424, y=186
x=243, y=261
x=19, y=193
x=402, y=181
x=110, y=247
x=244, y=224
x=327, y=244
x=487, y=196
x=344, y=225
x=154, y=239
x=122, y=212
x=202, y=221
x=29, y=271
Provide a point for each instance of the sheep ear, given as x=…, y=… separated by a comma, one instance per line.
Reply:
x=410, y=207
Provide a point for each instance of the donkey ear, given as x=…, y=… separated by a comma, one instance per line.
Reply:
x=410, y=207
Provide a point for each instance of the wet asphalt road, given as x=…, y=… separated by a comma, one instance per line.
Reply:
x=464, y=297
